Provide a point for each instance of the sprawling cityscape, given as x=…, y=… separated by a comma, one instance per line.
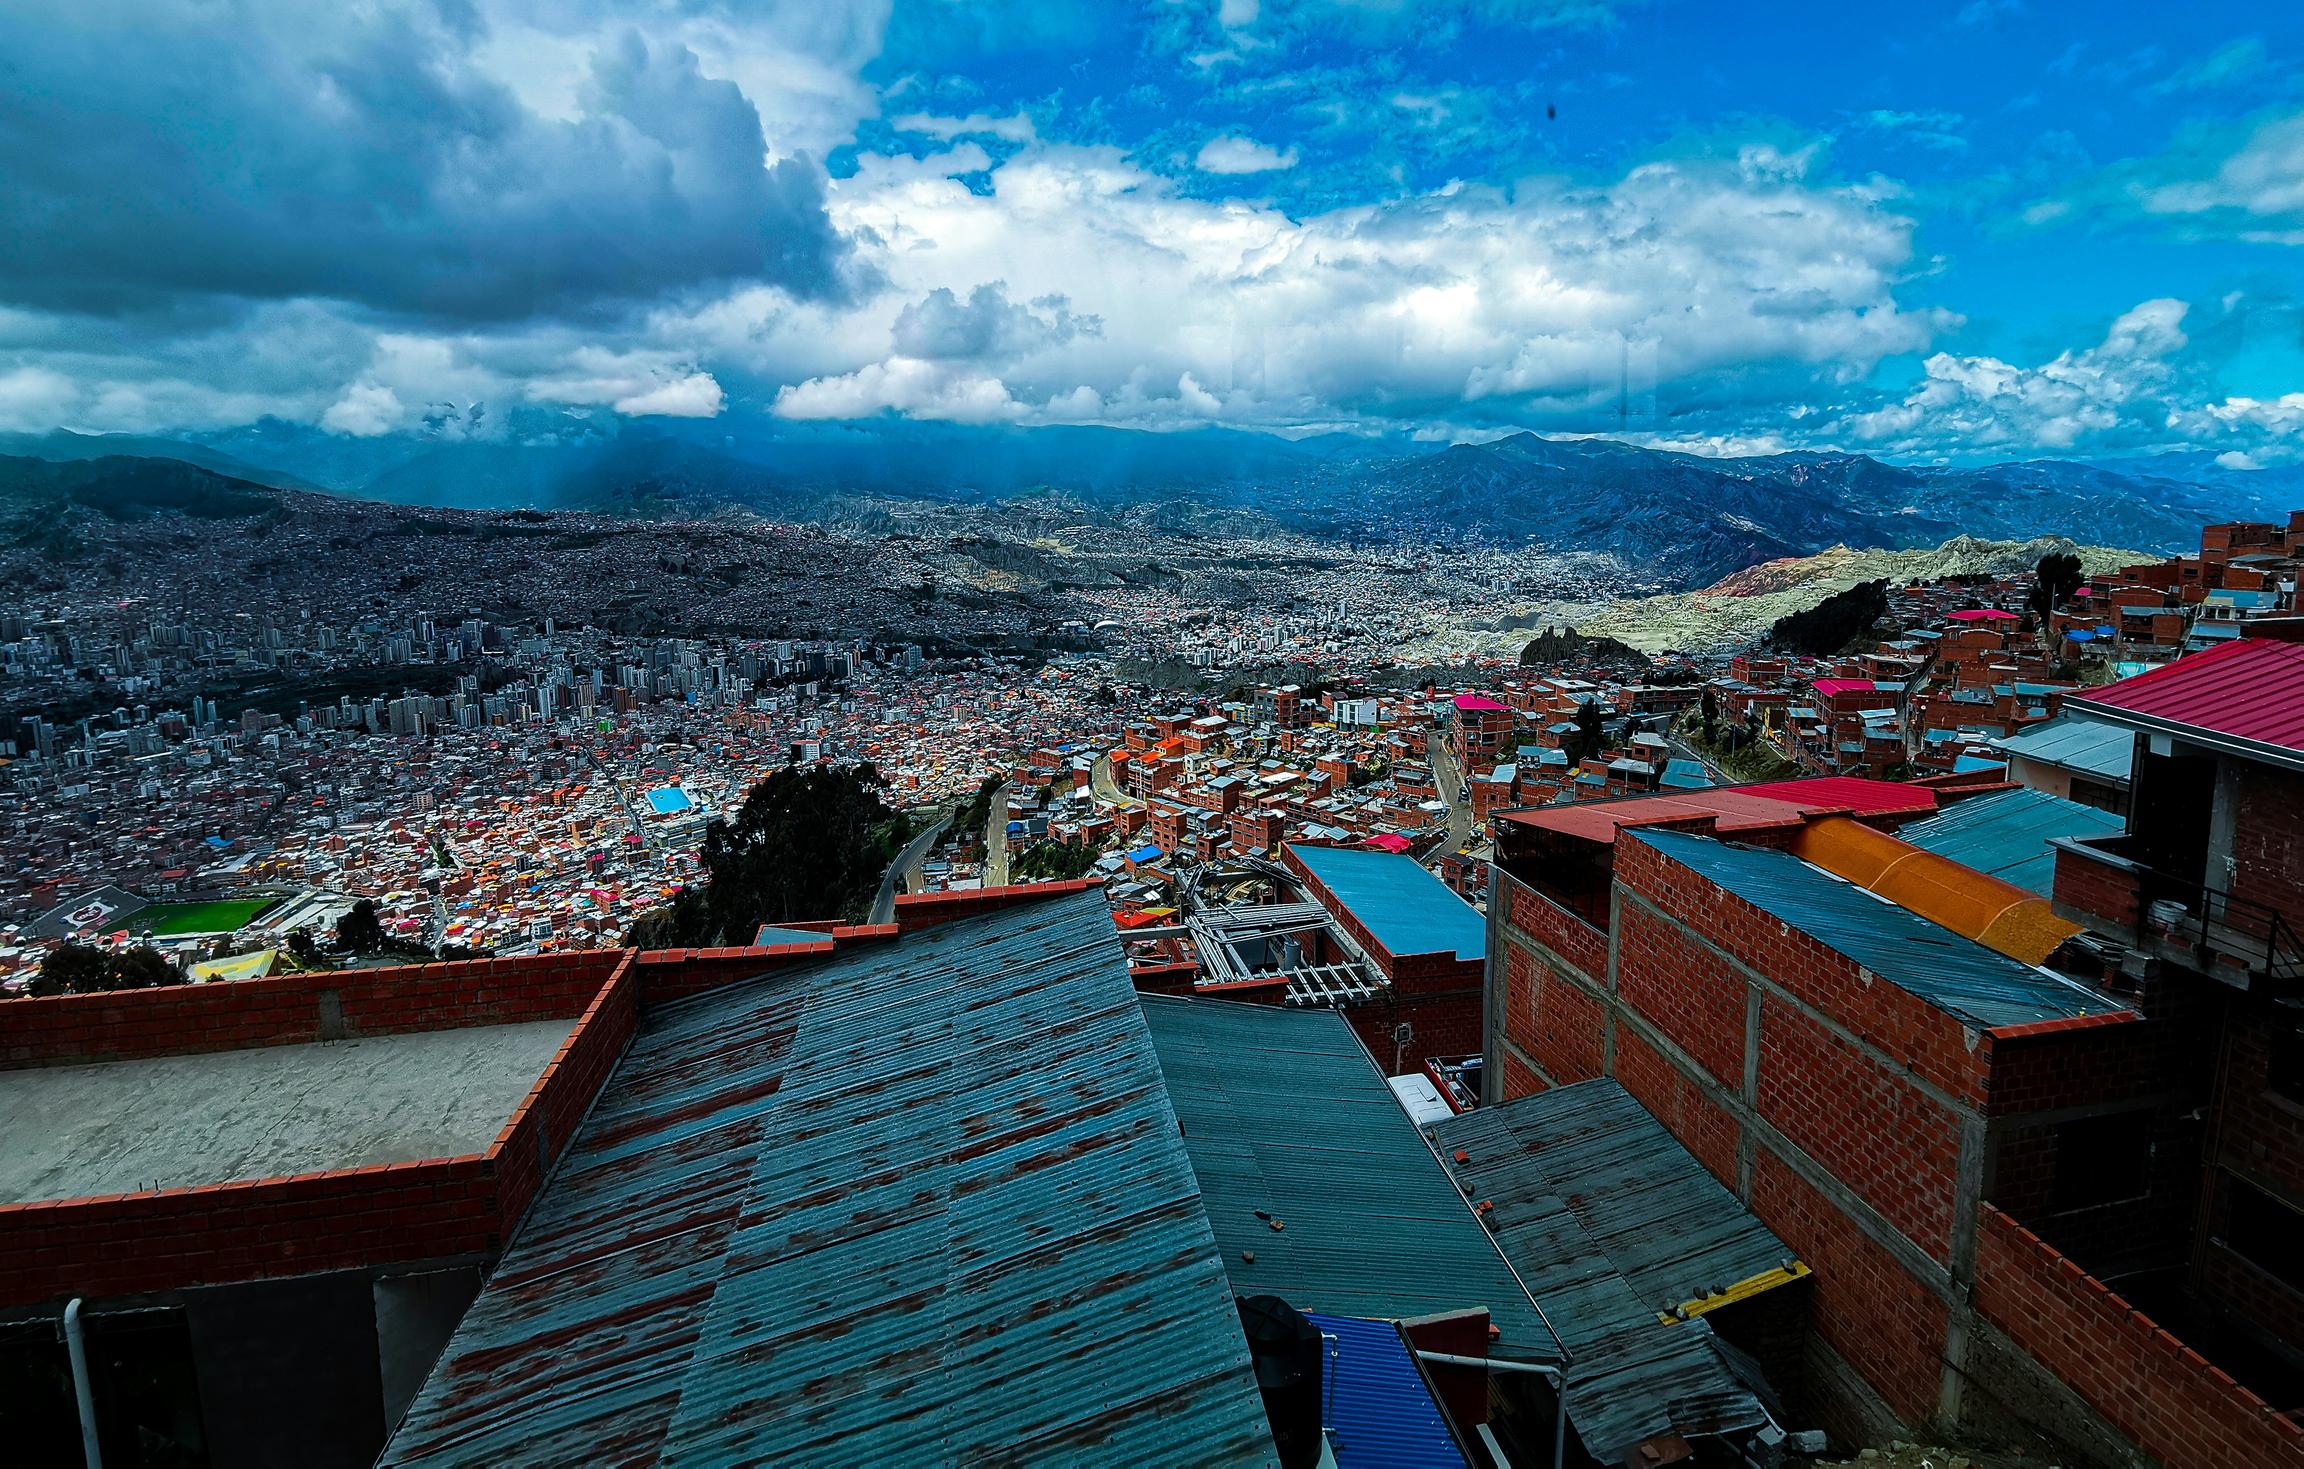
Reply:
x=1409, y=734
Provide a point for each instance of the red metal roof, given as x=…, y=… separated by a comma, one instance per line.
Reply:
x=1846, y=793
x=1827, y=687
x=1480, y=703
x=1777, y=803
x=2250, y=689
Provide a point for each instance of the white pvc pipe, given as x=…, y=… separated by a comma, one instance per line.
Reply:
x=76, y=1343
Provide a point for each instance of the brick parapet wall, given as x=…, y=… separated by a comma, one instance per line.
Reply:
x=72, y=1030
x=443, y=1208
x=2173, y=1403
x=166, y=1239
x=915, y=911
x=545, y=1122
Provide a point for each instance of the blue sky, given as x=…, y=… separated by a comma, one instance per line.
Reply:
x=1998, y=230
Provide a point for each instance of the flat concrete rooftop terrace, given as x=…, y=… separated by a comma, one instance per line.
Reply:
x=224, y=1116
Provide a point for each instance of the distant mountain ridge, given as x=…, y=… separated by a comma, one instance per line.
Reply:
x=1684, y=518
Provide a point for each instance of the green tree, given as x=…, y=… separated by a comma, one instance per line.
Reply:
x=809, y=842
x=1711, y=715
x=84, y=969
x=360, y=931
x=1053, y=862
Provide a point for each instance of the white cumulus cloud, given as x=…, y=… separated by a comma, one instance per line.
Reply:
x=1234, y=154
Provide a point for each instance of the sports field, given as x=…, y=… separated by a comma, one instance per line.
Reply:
x=165, y=919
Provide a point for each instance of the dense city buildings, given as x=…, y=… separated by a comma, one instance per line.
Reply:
x=1746, y=1054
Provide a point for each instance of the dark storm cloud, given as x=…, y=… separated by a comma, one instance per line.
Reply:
x=187, y=148
x=987, y=325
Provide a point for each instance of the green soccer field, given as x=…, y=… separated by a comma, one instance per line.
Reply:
x=163, y=920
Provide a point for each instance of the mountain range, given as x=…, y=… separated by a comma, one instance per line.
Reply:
x=1683, y=519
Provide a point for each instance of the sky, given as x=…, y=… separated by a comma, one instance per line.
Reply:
x=1998, y=229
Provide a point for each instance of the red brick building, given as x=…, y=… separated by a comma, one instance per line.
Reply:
x=1965, y=1149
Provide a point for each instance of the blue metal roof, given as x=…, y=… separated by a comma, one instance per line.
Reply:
x=1408, y=909
x=1287, y=1119
x=2072, y=743
x=924, y=1202
x=1379, y=1410
x=1955, y=974
x=668, y=800
x=2007, y=834
x=1611, y=1221
x=1684, y=775
x=770, y=933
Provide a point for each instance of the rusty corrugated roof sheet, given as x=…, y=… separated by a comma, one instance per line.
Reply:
x=925, y=1203
x=1614, y=1224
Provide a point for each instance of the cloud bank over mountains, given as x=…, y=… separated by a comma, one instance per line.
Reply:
x=1291, y=216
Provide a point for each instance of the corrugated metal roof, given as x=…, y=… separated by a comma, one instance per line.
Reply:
x=2006, y=834
x=922, y=1203
x=2088, y=746
x=1955, y=974
x=1845, y=793
x=2251, y=691
x=1408, y=909
x=1611, y=1222
x=1379, y=1409
x=1286, y=1118
x=1775, y=804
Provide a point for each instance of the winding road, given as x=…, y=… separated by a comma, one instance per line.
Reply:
x=905, y=864
x=996, y=838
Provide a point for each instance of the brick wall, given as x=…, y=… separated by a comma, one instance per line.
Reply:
x=2087, y=884
x=2268, y=841
x=2161, y=1394
x=166, y=1239
x=915, y=911
x=1553, y=926
x=1852, y=1116
x=65, y=1030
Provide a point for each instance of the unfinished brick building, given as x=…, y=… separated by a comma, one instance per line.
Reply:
x=1995, y=1169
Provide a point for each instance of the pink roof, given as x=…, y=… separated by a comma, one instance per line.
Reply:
x=1388, y=841
x=1982, y=614
x=1828, y=687
x=2249, y=689
x=1478, y=703
x=1778, y=803
x=1846, y=793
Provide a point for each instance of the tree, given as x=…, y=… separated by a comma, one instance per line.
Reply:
x=1591, y=736
x=1711, y=715
x=360, y=931
x=809, y=842
x=1053, y=862
x=2057, y=577
x=83, y=969
x=1833, y=623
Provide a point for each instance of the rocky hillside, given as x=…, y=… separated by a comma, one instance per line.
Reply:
x=1742, y=605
